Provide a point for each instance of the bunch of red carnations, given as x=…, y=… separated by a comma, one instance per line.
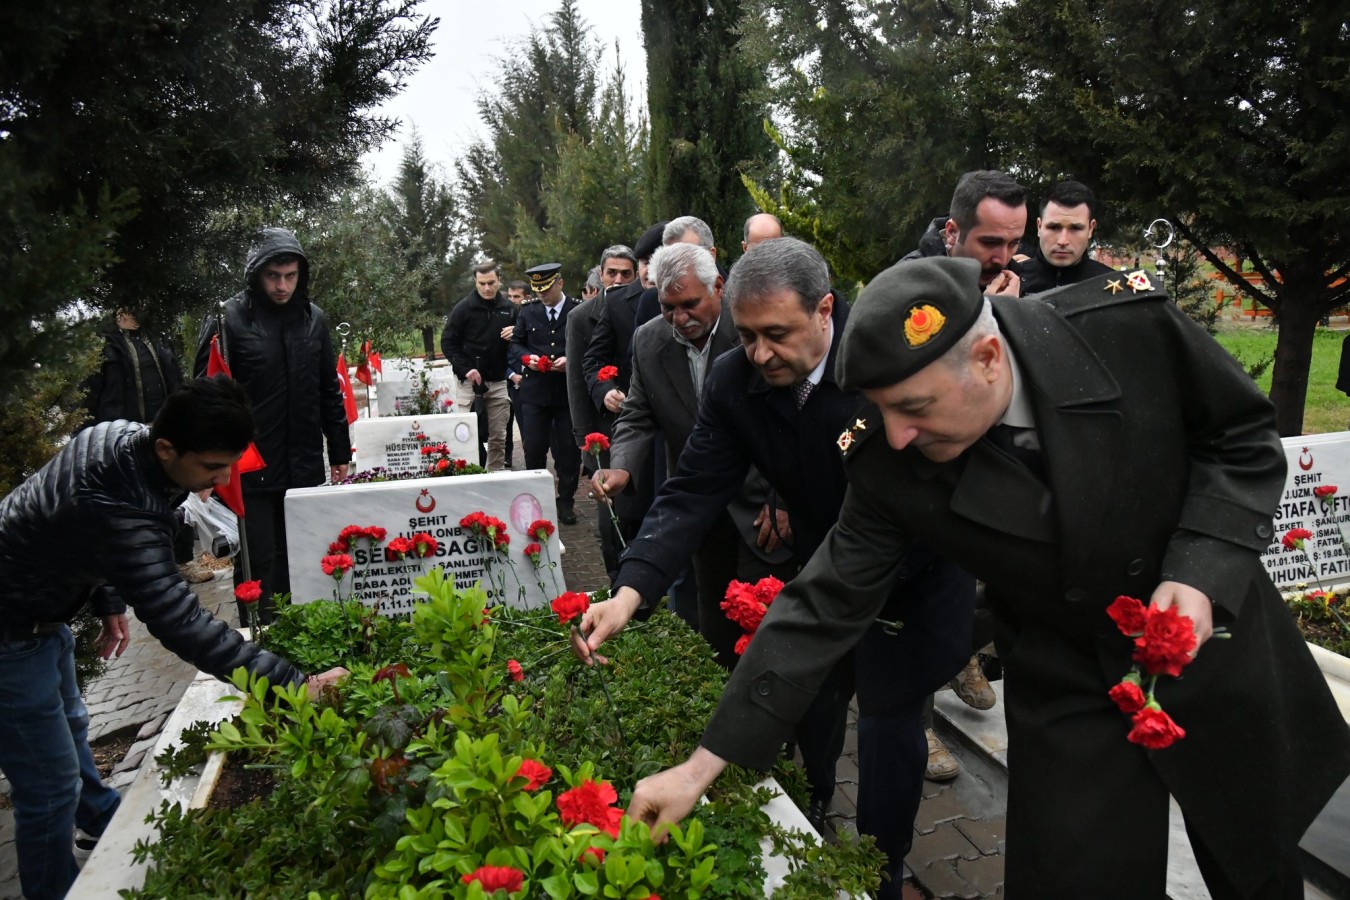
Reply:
x=746, y=605
x=1164, y=642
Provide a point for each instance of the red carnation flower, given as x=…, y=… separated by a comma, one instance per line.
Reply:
x=473, y=521
x=544, y=364
x=248, y=592
x=536, y=772
x=540, y=529
x=514, y=670
x=570, y=605
x=424, y=545
x=595, y=443
x=427, y=451
x=461, y=465
x=497, y=878
x=1166, y=644
x=441, y=465
x=1324, y=491
x=337, y=547
x=1128, y=614
x=351, y=534
x=375, y=533
x=1128, y=696
x=534, y=552
x=607, y=373
x=1155, y=729
x=589, y=803
x=336, y=564
x=1294, y=538
x=500, y=541
x=742, y=643
x=398, y=548
x=766, y=589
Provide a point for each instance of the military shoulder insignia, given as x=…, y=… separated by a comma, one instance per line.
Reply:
x=923, y=324
x=1138, y=281
x=849, y=435
x=1114, y=286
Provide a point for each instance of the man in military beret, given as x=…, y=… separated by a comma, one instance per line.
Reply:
x=539, y=353
x=1068, y=452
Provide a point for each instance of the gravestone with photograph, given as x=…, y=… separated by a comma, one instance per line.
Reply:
x=423, y=506
x=395, y=443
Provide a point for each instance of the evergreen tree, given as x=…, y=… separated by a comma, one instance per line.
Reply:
x=878, y=110
x=1226, y=118
x=127, y=128
x=593, y=192
x=705, y=109
x=421, y=213
x=545, y=94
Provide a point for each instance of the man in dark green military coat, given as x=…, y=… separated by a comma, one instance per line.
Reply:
x=1142, y=461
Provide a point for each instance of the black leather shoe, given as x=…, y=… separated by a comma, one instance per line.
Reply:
x=815, y=814
x=566, y=515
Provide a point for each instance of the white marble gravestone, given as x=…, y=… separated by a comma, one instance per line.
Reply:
x=315, y=516
x=399, y=382
x=1315, y=460
x=392, y=443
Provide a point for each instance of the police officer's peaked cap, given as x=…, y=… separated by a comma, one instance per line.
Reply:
x=542, y=277
x=906, y=318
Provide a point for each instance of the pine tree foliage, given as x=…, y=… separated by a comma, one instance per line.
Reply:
x=1227, y=118
x=877, y=109
x=705, y=108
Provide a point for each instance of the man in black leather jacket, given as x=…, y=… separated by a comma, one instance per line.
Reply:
x=277, y=345
x=95, y=525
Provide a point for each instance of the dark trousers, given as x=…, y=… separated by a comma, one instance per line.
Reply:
x=548, y=429
x=897, y=671
x=264, y=527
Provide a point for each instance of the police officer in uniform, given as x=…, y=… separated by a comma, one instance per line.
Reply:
x=539, y=352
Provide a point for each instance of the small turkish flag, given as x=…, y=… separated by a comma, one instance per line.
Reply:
x=348, y=398
x=232, y=494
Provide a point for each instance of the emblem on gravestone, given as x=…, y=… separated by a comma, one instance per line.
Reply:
x=1305, y=466
x=416, y=427
x=430, y=501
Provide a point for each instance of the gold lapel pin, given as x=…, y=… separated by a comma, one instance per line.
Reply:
x=1138, y=281
x=1114, y=286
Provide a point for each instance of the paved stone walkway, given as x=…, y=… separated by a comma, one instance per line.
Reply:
x=960, y=825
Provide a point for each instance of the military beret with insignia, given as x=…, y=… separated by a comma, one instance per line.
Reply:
x=650, y=241
x=906, y=318
x=541, y=277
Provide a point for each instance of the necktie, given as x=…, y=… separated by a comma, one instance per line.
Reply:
x=553, y=316
x=802, y=391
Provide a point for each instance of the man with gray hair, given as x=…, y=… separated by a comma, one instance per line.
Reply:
x=618, y=266
x=671, y=357
x=689, y=230
x=778, y=407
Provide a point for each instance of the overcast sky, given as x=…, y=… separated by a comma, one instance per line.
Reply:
x=473, y=36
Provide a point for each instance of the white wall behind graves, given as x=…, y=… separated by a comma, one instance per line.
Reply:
x=315, y=516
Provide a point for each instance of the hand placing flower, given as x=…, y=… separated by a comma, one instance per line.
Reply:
x=570, y=605
x=1164, y=641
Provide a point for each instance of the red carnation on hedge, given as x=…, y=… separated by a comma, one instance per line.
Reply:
x=514, y=670
x=589, y=803
x=536, y=773
x=497, y=878
x=570, y=605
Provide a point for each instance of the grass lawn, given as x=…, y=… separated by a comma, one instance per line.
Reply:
x=1327, y=408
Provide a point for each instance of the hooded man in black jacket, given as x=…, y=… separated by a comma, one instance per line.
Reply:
x=277, y=345
x=95, y=525
x=1063, y=234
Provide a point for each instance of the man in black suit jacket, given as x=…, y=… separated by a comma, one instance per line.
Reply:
x=539, y=352
x=1141, y=461
x=662, y=399
x=777, y=405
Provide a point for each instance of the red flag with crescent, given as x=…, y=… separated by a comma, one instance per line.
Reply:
x=232, y=494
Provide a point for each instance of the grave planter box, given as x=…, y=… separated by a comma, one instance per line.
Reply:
x=521, y=717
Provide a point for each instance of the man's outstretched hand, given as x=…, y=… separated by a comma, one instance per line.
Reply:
x=602, y=621
x=669, y=796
